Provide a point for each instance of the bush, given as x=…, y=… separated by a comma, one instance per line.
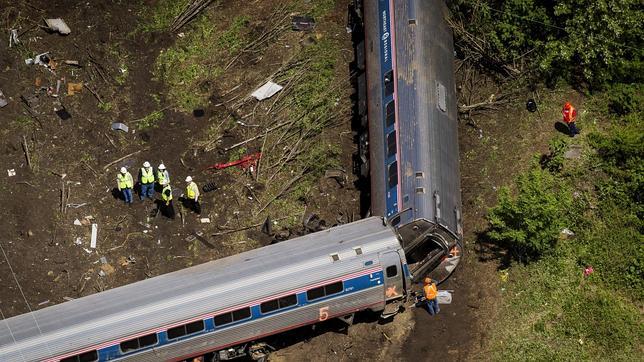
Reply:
x=529, y=223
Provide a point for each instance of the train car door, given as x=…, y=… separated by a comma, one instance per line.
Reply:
x=393, y=275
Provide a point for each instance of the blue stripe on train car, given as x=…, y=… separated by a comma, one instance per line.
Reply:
x=352, y=285
x=386, y=65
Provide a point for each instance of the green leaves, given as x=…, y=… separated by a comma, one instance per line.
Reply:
x=529, y=222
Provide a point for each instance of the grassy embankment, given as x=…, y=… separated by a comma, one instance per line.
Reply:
x=550, y=311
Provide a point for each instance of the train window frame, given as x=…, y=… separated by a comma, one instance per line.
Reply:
x=138, y=343
x=388, y=83
x=395, y=271
x=231, y=317
x=186, y=332
x=358, y=250
x=335, y=257
x=77, y=358
x=324, y=289
x=280, y=303
x=390, y=113
x=392, y=144
x=392, y=175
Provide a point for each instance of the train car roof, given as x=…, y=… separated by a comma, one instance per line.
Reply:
x=194, y=292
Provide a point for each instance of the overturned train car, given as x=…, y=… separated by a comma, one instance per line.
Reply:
x=227, y=306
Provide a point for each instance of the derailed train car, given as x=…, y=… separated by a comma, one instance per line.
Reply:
x=228, y=305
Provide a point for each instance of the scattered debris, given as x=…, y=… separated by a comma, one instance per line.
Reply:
x=78, y=241
x=444, y=297
x=43, y=303
x=267, y=226
x=567, y=233
x=40, y=59
x=117, y=126
x=101, y=273
x=11, y=172
x=63, y=114
x=205, y=220
x=77, y=222
x=94, y=235
x=107, y=268
x=3, y=100
x=73, y=88
x=58, y=25
x=210, y=186
x=244, y=162
x=339, y=175
x=504, y=275
x=72, y=62
x=588, y=270
x=266, y=91
x=13, y=37
x=87, y=251
x=531, y=105
x=67, y=299
x=76, y=206
x=302, y=23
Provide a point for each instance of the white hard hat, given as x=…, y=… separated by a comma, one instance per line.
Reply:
x=123, y=170
x=146, y=164
x=161, y=167
x=188, y=179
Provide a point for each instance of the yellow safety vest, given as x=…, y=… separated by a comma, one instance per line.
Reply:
x=161, y=177
x=147, y=176
x=431, y=291
x=166, y=198
x=190, y=190
x=125, y=181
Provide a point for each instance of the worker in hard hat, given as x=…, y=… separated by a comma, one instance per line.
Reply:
x=125, y=183
x=146, y=179
x=429, y=299
x=163, y=177
x=166, y=207
x=192, y=196
x=569, y=114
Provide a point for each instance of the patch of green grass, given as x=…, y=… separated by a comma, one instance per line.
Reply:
x=24, y=121
x=199, y=58
x=105, y=106
x=150, y=120
x=161, y=16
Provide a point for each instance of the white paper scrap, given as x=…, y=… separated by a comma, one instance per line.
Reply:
x=94, y=235
x=266, y=91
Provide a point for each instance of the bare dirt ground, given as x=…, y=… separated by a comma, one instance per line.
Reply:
x=51, y=257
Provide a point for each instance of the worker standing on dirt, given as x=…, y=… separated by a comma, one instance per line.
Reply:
x=146, y=179
x=167, y=209
x=125, y=183
x=163, y=177
x=192, y=196
x=429, y=299
x=569, y=116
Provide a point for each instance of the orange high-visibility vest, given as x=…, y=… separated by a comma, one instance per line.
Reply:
x=569, y=113
x=431, y=291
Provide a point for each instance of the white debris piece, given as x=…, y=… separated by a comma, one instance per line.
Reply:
x=77, y=222
x=3, y=101
x=94, y=236
x=205, y=220
x=567, y=232
x=267, y=90
x=11, y=172
x=58, y=25
x=444, y=297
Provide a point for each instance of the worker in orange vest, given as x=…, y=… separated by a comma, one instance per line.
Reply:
x=429, y=300
x=569, y=116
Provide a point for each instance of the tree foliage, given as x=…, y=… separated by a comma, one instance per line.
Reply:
x=529, y=222
x=595, y=41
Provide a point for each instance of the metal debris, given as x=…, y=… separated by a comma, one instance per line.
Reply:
x=94, y=236
x=117, y=126
x=302, y=23
x=266, y=91
x=3, y=100
x=11, y=172
x=13, y=37
x=58, y=25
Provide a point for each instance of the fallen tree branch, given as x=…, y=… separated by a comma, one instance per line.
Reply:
x=120, y=159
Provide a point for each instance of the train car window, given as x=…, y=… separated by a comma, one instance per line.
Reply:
x=240, y=314
x=138, y=343
x=333, y=288
x=269, y=306
x=287, y=301
x=391, y=271
x=393, y=174
x=222, y=319
x=315, y=293
x=148, y=340
x=358, y=250
x=185, y=329
x=389, y=83
x=89, y=356
x=391, y=144
x=391, y=113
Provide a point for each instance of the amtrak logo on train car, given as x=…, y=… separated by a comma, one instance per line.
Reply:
x=385, y=31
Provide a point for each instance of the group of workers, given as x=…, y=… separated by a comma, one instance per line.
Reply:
x=151, y=182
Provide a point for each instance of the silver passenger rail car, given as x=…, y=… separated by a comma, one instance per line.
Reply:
x=412, y=129
x=223, y=304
